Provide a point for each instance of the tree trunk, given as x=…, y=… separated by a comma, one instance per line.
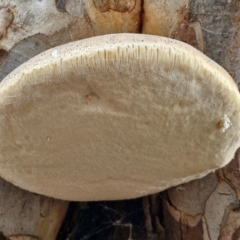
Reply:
x=207, y=208
x=24, y=213
x=204, y=209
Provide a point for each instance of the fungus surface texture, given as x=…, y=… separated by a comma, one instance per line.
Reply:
x=116, y=117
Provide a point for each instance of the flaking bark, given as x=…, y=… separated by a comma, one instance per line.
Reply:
x=206, y=209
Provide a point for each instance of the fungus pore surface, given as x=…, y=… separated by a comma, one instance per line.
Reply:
x=116, y=117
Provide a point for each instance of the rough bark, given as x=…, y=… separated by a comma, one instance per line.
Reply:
x=208, y=208
x=203, y=209
x=31, y=27
x=25, y=214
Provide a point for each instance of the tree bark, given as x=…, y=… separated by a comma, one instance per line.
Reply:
x=27, y=215
x=205, y=209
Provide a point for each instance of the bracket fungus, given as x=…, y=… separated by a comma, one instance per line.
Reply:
x=116, y=117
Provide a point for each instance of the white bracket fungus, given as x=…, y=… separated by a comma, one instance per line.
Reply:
x=116, y=117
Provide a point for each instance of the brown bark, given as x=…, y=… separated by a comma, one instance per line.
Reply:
x=203, y=209
x=209, y=207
